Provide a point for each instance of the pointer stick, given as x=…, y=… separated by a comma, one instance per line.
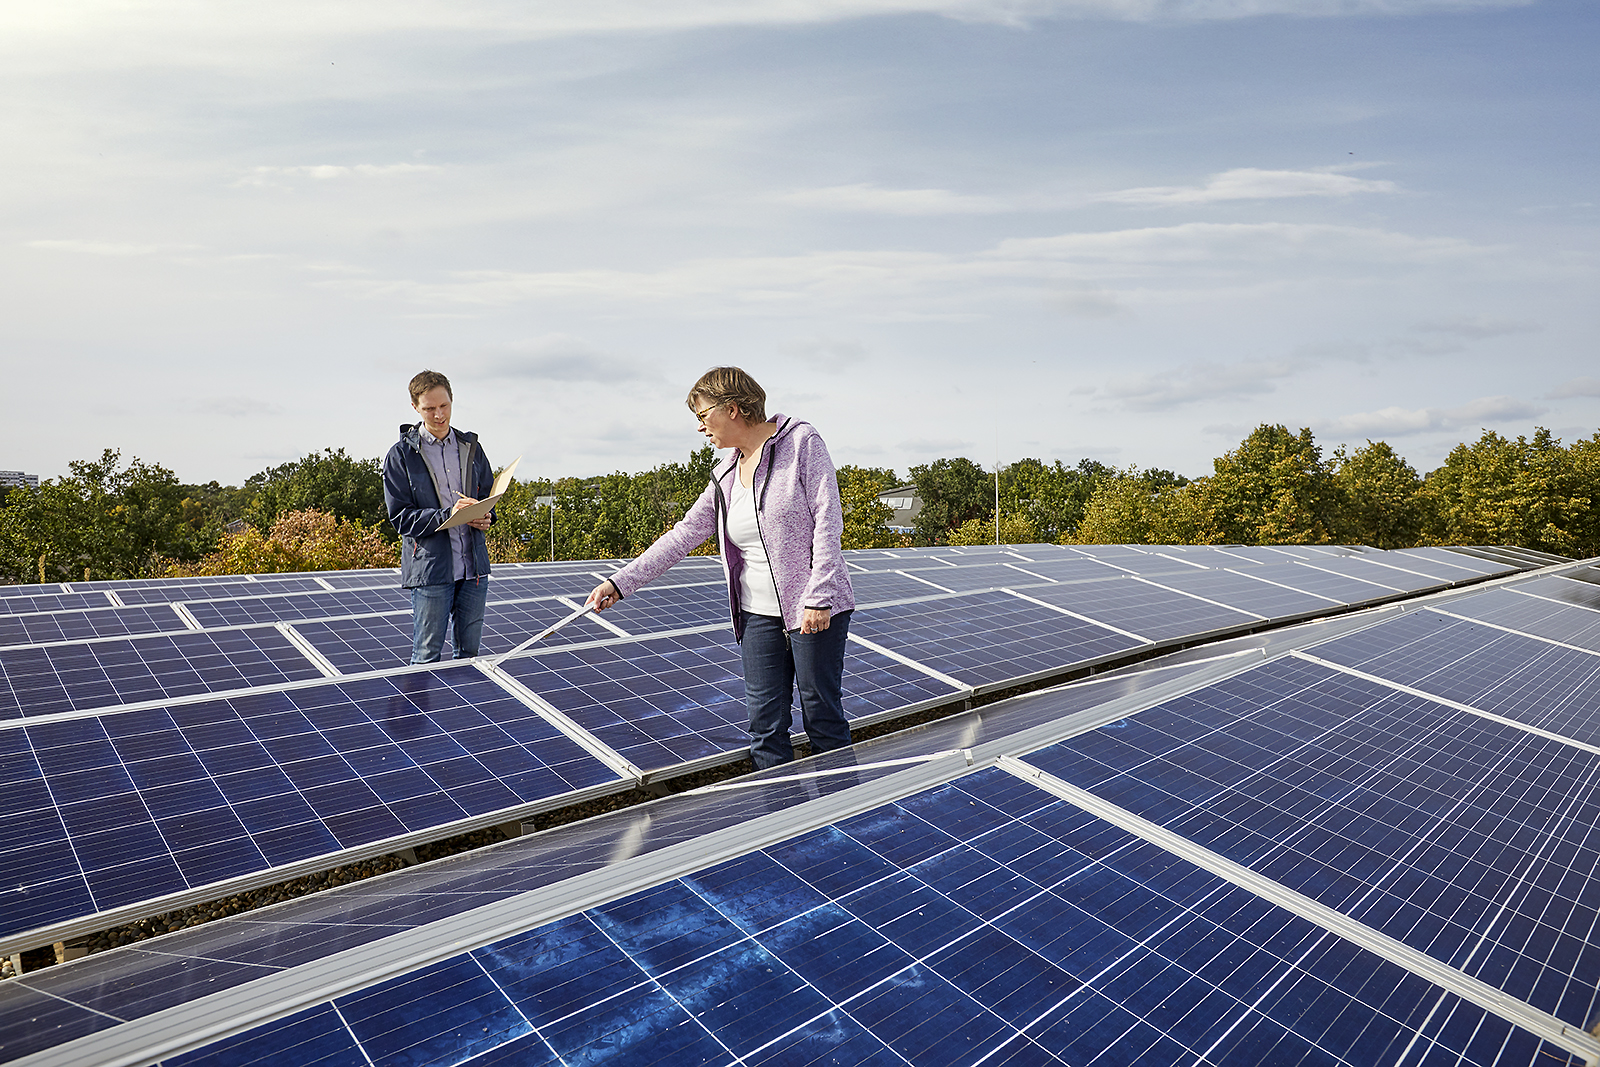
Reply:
x=586, y=609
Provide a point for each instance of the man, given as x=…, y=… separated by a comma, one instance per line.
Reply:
x=430, y=473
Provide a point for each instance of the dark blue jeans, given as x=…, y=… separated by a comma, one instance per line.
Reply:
x=774, y=663
x=432, y=606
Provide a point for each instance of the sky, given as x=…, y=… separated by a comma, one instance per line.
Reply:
x=1123, y=230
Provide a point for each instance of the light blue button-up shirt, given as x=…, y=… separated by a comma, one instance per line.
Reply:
x=444, y=459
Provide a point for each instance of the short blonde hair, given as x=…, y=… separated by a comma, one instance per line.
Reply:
x=730, y=385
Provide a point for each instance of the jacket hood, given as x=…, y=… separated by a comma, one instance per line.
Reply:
x=412, y=432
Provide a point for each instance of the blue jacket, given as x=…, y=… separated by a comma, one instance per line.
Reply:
x=416, y=511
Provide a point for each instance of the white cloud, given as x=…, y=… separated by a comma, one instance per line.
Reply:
x=114, y=249
x=1399, y=422
x=1478, y=327
x=1194, y=242
x=236, y=407
x=871, y=199
x=1201, y=381
x=275, y=176
x=1575, y=387
x=556, y=358
x=1249, y=183
x=826, y=353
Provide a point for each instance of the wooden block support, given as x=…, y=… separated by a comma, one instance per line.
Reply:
x=71, y=950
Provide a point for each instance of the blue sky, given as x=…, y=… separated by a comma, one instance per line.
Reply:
x=1122, y=229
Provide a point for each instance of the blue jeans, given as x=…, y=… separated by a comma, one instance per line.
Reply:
x=432, y=606
x=774, y=662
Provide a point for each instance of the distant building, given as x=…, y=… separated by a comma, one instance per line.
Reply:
x=13, y=479
x=907, y=506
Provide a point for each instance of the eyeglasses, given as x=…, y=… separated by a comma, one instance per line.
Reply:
x=701, y=415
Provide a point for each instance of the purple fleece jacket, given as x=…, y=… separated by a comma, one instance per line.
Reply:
x=797, y=512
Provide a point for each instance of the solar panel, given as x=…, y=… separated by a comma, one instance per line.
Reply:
x=114, y=811
x=1535, y=615
x=971, y=923
x=326, y=604
x=1368, y=571
x=968, y=579
x=1448, y=832
x=34, y=603
x=1563, y=588
x=383, y=642
x=1340, y=587
x=1152, y=612
x=215, y=590
x=986, y=639
x=45, y=679
x=1242, y=591
x=59, y=626
x=1522, y=678
x=882, y=586
x=1470, y=564
x=656, y=609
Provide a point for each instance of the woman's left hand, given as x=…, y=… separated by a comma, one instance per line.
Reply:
x=815, y=620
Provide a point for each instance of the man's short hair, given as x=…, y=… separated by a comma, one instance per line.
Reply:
x=429, y=379
x=730, y=385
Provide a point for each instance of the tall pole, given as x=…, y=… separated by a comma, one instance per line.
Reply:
x=552, y=524
x=997, y=486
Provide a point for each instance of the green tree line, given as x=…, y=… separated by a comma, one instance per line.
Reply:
x=110, y=519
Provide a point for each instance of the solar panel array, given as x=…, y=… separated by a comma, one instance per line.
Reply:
x=160, y=768
x=238, y=730
x=1366, y=840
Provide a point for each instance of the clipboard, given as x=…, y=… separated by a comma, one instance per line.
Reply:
x=483, y=507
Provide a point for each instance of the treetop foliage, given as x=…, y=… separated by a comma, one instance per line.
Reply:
x=110, y=519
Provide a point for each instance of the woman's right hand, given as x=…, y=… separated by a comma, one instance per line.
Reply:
x=604, y=595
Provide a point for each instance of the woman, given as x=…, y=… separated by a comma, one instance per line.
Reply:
x=774, y=506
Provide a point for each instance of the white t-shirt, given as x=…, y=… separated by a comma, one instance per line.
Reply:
x=758, y=592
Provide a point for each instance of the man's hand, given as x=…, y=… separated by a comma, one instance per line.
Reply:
x=476, y=524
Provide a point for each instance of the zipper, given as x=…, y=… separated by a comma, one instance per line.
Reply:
x=755, y=506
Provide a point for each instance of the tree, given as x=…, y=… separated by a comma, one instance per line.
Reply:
x=1378, y=493
x=1150, y=508
x=102, y=520
x=1531, y=493
x=330, y=481
x=1274, y=489
x=299, y=541
x=866, y=518
x=1014, y=530
x=1049, y=497
x=952, y=491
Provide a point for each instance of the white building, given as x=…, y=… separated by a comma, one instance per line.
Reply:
x=12, y=479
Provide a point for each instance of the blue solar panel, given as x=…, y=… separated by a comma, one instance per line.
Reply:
x=323, y=605
x=1152, y=612
x=881, y=587
x=974, y=923
x=383, y=642
x=124, y=808
x=1566, y=590
x=1368, y=571
x=217, y=590
x=37, y=602
x=81, y=625
x=1244, y=592
x=46, y=679
x=1522, y=678
x=657, y=609
x=660, y=701
x=1074, y=569
x=1470, y=564
x=970, y=578
x=1534, y=615
x=1309, y=579
x=1466, y=839
x=988, y=638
